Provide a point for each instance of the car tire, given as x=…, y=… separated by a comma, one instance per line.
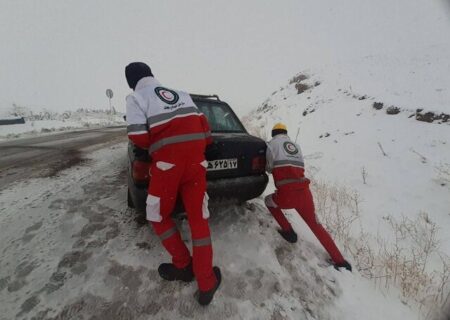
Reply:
x=129, y=200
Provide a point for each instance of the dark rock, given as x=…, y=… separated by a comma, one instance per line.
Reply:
x=393, y=110
x=301, y=87
x=378, y=105
x=426, y=117
x=298, y=78
x=431, y=116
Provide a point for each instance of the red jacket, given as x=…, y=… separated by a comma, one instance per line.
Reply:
x=285, y=162
x=160, y=118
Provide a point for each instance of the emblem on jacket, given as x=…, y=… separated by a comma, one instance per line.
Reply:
x=167, y=95
x=290, y=147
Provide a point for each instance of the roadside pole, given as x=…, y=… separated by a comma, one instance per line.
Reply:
x=110, y=94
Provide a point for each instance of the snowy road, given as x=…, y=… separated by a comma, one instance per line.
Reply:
x=70, y=249
x=47, y=155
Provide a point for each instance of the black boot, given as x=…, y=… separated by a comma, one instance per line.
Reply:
x=205, y=297
x=343, y=264
x=169, y=272
x=288, y=235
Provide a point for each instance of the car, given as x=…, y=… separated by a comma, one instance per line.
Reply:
x=236, y=160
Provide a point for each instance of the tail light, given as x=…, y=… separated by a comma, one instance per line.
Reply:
x=259, y=164
x=140, y=171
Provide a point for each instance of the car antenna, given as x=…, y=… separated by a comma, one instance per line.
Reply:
x=298, y=131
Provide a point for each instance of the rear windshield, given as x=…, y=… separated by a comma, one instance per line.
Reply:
x=220, y=116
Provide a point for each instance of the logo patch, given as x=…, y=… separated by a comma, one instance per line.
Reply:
x=290, y=147
x=167, y=95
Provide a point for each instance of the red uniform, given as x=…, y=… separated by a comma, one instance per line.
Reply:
x=285, y=162
x=175, y=132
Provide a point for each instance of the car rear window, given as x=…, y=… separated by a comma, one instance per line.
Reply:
x=220, y=116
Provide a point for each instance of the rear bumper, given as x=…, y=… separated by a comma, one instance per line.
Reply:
x=220, y=191
x=236, y=189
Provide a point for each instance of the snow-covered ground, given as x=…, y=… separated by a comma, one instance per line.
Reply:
x=393, y=169
x=71, y=249
x=46, y=121
x=398, y=167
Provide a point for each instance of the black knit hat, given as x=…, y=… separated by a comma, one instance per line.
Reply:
x=135, y=71
x=278, y=131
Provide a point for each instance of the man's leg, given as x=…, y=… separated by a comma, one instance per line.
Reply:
x=306, y=210
x=275, y=202
x=193, y=191
x=276, y=212
x=161, y=201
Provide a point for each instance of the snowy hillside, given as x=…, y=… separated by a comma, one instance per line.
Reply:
x=46, y=121
x=364, y=142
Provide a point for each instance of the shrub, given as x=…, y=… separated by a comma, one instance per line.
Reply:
x=400, y=258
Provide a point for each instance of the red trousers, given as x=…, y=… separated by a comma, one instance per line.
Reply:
x=301, y=200
x=185, y=175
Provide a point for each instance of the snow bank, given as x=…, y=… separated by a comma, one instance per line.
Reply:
x=46, y=121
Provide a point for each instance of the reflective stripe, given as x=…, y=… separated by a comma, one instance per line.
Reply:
x=201, y=242
x=287, y=181
x=136, y=128
x=167, y=234
x=165, y=117
x=208, y=134
x=281, y=163
x=268, y=200
x=136, y=133
x=176, y=139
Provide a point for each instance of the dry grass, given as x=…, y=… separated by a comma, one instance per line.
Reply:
x=403, y=256
x=443, y=171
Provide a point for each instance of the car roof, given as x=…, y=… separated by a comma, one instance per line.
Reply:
x=205, y=97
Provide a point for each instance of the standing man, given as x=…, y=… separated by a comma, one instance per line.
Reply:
x=167, y=123
x=285, y=162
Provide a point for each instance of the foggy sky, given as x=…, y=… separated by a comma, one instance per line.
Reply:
x=65, y=54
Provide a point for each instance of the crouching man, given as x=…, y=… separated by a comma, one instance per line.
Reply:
x=285, y=162
x=167, y=123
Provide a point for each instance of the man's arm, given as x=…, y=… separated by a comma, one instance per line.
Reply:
x=137, y=124
x=269, y=159
x=206, y=129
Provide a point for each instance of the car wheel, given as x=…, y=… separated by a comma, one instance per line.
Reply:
x=129, y=200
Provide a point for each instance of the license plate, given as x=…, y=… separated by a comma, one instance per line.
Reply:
x=222, y=164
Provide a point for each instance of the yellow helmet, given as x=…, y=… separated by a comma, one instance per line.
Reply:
x=279, y=126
